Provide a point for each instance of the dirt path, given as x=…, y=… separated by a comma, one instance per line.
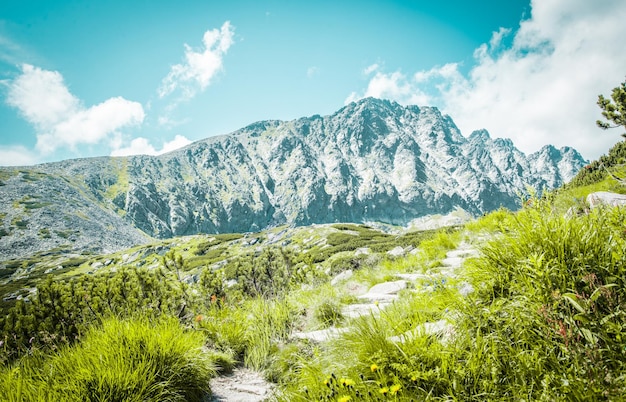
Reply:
x=243, y=385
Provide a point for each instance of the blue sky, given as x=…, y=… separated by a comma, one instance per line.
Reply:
x=83, y=78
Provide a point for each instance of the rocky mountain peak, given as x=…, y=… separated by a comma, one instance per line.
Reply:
x=372, y=160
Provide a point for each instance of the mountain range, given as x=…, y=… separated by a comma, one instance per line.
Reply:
x=371, y=161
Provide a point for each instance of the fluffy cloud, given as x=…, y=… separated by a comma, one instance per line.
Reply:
x=199, y=67
x=43, y=100
x=141, y=146
x=16, y=156
x=390, y=86
x=541, y=88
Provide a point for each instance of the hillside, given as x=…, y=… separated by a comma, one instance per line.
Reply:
x=371, y=161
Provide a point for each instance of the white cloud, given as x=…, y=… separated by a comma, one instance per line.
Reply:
x=370, y=69
x=41, y=97
x=199, y=67
x=391, y=86
x=16, y=156
x=10, y=51
x=60, y=120
x=178, y=142
x=540, y=89
x=142, y=146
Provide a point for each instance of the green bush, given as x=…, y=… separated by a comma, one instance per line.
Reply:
x=596, y=170
x=59, y=312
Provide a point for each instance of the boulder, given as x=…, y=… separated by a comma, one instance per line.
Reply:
x=341, y=277
x=606, y=198
x=388, y=287
x=396, y=252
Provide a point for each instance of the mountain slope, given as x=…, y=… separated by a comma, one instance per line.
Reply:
x=372, y=160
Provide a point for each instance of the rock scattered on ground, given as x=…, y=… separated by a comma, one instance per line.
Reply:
x=242, y=385
x=380, y=296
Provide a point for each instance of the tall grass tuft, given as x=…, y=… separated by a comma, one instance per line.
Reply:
x=121, y=360
x=249, y=331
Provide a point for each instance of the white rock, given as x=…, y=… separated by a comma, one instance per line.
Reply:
x=388, y=287
x=606, y=198
x=465, y=288
x=463, y=253
x=361, y=251
x=396, y=252
x=453, y=262
x=378, y=297
x=413, y=277
x=341, y=277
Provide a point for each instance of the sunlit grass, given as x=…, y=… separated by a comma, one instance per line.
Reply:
x=121, y=360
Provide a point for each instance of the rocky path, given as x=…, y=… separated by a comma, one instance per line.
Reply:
x=242, y=385
x=379, y=296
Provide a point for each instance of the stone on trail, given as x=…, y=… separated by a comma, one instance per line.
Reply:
x=243, y=385
x=396, y=252
x=388, y=287
x=341, y=277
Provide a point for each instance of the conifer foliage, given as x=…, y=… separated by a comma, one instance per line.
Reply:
x=614, y=109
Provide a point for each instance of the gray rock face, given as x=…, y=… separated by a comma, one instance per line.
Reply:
x=372, y=160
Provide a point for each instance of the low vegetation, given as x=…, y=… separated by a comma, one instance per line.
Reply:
x=544, y=320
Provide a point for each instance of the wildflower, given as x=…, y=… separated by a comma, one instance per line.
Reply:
x=213, y=298
x=346, y=382
x=198, y=318
x=374, y=367
x=395, y=388
x=344, y=398
x=384, y=390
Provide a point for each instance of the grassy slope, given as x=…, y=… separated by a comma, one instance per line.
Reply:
x=545, y=321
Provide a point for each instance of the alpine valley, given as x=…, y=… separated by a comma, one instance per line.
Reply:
x=371, y=161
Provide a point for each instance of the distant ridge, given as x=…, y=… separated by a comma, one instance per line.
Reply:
x=372, y=160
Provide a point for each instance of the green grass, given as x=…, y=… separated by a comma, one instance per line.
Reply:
x=120, y=360
x=544, y=322
x=248, y=332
